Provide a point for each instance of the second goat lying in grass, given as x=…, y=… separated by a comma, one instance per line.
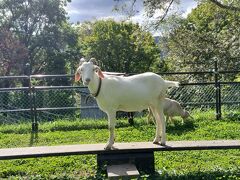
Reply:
x=129, y=94
x=171, y=108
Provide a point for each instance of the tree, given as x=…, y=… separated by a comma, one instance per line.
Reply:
x=208, y=33
x=12, y=52
x=121, y=47
x=42, y=27
x=233, y=5
x=152, y=7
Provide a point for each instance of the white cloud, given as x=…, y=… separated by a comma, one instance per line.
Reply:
x=85, y=10
x=188, y=11
x=187, y=7
x=72, y=12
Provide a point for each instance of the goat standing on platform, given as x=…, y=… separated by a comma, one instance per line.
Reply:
x=132, y=93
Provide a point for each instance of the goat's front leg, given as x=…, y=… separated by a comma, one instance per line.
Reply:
x=111, y=127
x=160, y=126
x=163, y=127
x=158, y=130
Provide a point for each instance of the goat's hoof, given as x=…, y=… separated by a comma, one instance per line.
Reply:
x=108, y=147
x=156, y=140
x=163, y=143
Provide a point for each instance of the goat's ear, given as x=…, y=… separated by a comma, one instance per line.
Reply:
x=99, y=72
x=77, y=77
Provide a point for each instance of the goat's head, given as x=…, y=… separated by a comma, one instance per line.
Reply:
x=87, y=70
x=185, y=114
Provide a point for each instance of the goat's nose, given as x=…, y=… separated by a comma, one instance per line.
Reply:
x=87, y=80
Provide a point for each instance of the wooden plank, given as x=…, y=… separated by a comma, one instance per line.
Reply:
x=65, y=150
x=122, y=171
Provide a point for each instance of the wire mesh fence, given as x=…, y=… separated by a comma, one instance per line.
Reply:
x=197, y=96
x=45, y=100
x=15, y=105
x=230, y=96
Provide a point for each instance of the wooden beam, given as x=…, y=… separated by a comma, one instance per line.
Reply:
x=65, y=150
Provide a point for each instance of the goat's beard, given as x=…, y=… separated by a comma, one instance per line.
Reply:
x=85, y=83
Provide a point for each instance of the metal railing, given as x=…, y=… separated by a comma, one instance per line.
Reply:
x=41, y=101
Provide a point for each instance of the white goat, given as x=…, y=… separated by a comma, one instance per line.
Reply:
x=133, y=93
x=171, y=108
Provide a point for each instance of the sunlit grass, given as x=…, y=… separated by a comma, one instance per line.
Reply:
x=169, y=165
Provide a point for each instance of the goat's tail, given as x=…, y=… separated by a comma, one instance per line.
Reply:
x=172, y=83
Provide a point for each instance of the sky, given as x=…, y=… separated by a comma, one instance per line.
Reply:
x=88, y=10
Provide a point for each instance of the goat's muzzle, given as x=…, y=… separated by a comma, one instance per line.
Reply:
x=86, y=81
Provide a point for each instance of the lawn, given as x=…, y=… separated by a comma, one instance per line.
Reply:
x=214, y=164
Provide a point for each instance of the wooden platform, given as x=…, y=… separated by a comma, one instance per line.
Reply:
x=134, y=147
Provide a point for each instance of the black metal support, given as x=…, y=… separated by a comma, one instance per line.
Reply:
x=130, y=118
x=35, y=122
x=144, y=161
x=30, y=95
x=219, y=101
x=32, y=101
x=217, y=91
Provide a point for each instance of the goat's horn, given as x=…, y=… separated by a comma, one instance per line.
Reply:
x=82, y=60
x=93, y=60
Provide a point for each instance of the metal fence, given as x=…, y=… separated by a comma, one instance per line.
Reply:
x=52, y=97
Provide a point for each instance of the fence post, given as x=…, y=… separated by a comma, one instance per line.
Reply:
x=28, y=73
x=35, y=122
x=31, y=95
x=219, y=100
x=217, y=90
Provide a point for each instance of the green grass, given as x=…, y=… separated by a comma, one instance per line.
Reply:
x=214, y=164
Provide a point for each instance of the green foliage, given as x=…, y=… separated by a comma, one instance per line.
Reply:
x=42, y=27
x=208, y=33
x=36, y=32
x=12, y=53
x=233, y=116
x=121, y=47
x=214, y=164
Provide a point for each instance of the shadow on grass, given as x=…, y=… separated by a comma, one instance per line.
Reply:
x=179, y=128
x=63, y=126
x=176, y=128
x=33, y=138
x=87, y=126
x=218, y=174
